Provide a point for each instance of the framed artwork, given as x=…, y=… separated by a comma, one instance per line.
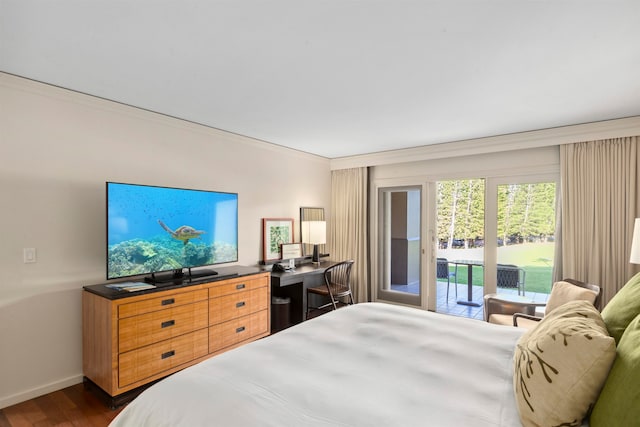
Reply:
x=275, y=232
x=291, y=250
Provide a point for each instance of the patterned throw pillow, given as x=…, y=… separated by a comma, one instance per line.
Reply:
x=561, y=365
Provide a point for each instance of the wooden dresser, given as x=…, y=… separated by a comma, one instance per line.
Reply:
x=130, y=339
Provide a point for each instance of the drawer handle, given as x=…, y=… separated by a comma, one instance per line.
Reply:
x=168, y=301
x=240, y=304
x=240, y=286
x=168, y=323
x=240, y=329
x=168, y=354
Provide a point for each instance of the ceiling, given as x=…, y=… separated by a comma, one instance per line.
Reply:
x=339, y=78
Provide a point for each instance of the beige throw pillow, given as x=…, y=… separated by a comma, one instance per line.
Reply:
x=563, y=292
x=561, y=365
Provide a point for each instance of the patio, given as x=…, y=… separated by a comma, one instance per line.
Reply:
x=453, y=308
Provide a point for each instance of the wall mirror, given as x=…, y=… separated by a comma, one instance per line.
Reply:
x=312, y=214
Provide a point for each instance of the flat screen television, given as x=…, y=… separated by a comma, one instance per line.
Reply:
x=152, y=230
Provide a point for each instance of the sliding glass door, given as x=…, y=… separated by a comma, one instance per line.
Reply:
x=525, y=227
x=460, y=246
x=442, y=245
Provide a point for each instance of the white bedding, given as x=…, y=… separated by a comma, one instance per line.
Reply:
x=364, y=365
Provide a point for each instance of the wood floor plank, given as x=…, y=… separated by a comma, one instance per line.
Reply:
x=69, y=409
x=62, y=401
x=72, y=406
x=4, y=422
x=24, y=414
x=53, y=415
x=81, y=414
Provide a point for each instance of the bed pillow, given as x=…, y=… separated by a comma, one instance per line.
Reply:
x=561, y=365
x=563, y=292
x=623, y=308
x=618, y=404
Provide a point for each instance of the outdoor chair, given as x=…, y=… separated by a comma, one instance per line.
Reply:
x=337, y=286
x=442, y=272
x=511, y=277
x=503, y=310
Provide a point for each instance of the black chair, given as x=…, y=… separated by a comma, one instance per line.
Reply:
x=442, y=272
x=337, y=286
x=511, y=277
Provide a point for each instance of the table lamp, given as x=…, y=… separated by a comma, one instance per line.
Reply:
x=314, y=233
x=635, y=244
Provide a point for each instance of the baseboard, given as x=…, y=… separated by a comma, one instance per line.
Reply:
x=39, y=391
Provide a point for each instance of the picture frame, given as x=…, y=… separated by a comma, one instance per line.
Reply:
x=291, y=250
x=275, y=232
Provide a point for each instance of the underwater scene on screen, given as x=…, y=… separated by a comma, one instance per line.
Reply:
x=152, y=229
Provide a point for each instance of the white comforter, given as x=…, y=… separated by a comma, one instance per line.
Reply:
x=364, y=365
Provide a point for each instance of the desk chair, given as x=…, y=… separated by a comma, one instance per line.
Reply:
x=337, y=286
x=442, y=272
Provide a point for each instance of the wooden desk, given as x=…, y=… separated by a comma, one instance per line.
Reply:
x=294, y=284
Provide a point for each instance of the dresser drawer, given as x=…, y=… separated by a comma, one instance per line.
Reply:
x=148, y=361
x=238, y=285
x=237, y=305
x=160, y=303
x=149, y=328
x=235, y=331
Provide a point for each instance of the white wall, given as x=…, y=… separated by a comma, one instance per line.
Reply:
x=57, y=149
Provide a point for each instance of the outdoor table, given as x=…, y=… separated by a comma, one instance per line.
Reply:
x=469, y=264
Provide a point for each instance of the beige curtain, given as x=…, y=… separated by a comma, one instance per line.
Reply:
x=348, y=225
x=599, y=185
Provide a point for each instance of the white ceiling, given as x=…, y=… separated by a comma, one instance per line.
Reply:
x=339, y=77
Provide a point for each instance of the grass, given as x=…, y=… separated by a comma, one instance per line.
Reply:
x=535, y=258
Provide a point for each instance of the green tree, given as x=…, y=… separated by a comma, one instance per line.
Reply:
x=526, y=210
x=460, y=205
x=523, y=210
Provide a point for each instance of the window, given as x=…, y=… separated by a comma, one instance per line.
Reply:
x=525, y=236
x=469, y=206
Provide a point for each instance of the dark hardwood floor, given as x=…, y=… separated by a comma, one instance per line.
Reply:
x=72, y=406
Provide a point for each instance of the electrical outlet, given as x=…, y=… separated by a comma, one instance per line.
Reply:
x=29, y=255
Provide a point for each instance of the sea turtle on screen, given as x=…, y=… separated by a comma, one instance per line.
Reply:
x=183, y=233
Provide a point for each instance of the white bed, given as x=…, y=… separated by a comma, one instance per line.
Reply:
x=364, y=365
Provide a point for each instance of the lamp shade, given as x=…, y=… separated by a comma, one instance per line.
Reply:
x=314, y=232
x=635, y=244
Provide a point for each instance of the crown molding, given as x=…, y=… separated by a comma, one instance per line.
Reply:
x=26, y=85
x=594, y=131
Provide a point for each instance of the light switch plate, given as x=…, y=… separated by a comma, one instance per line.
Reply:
x=29, y=255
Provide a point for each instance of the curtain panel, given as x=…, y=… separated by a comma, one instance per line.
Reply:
x=599, y=193
x=348, y=225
